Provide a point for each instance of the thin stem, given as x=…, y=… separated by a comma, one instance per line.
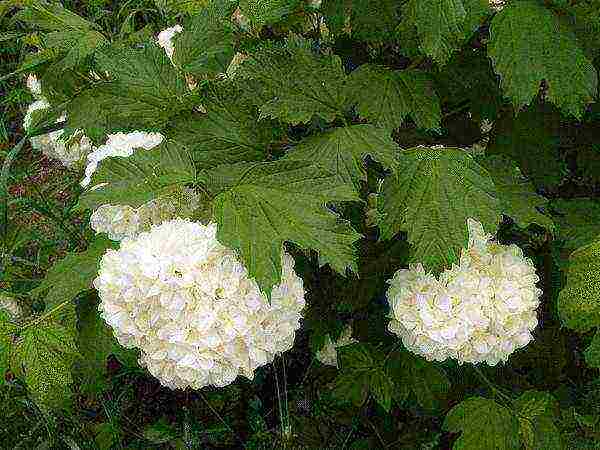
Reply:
x=492, y=386
x=312, y=361
x=279, y=404
x=4, y=182
x=392, y=351
x=383, y=444
x=45, y=315
x=285, y=398
x=219, y=417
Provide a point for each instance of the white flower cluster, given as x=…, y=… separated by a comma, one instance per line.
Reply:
x=117, y=221
x=188, y=304
x=328, y=354
x=119, y=144
x=497, y=5
x=478, y=311
x=69, y=152
x=165, y=39
x=123, y=221
x=11, y=306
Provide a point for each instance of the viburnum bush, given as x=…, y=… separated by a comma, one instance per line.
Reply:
x=391, y=207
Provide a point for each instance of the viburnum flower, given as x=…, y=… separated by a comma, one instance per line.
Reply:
x=497, y=5
x=119, y=144
x=481, y=310
x=189, y=305
x=117, y=221
x=34, y=85
x=165, y=39
x=69, y=152
x=328, y=354
x=11, y=306
x=123, y=221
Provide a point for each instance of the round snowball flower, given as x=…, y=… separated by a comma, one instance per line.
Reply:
x=480, y=310
x=328, y=354
x=189, y=305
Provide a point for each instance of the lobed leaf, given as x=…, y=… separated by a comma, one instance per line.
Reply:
x=517, y=196
x=47, y=352
x=139, y=178
x=387, y=97
x=294, y=84
x=528, y=44
x=342, y=150
x=434, y=193
x=483, y=423
x=259, y=206
x=579, y=301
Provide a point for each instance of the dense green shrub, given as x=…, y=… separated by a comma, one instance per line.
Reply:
x=361, y=136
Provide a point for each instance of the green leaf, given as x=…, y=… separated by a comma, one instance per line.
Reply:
x=374, y=20
x=536, y=412
x=533, y=404
x=578, y=222
x=483, y=423
x=531, y=140
x=228, y=133
x=586, y=24
x=528, y=44
x=205, y=47
x=263, y=12
x=145, y=92
x=47, y=352
x=413, y=374
x=263, y=205
x=7, y=329
x=592, y=352
x=362, y=373
x=517, y=196
x=107, y=435
x=160, y=432
x=387, y=97
x=352, y=388
x=439, y=25
x=78, y=45
x=96, y=342
x=139, y=178
x=144, y=73
x=54, y=17
x=174, y=7
x=342, y=150
x=294, y=84
x=579, y=301
x=381, y=388
x=70, y=276
x=108, y=107
x=434, y=193
x=469, y=76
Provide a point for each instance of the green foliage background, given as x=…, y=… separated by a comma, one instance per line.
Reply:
x=326, y=138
